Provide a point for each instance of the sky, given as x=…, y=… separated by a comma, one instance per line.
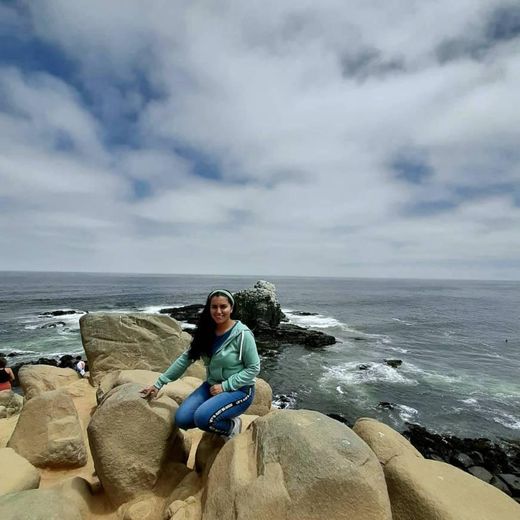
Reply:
x=331, y=138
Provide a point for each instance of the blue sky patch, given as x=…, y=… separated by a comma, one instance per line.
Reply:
x=141, y=188
x=504, y=23
x=412, y=168
x=202, y=164
x=30, y=54
x=429, y=208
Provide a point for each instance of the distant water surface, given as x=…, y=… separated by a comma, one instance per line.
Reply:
x=459, y=341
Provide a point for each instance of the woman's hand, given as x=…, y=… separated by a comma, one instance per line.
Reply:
x=215, y=389
x=150, y=392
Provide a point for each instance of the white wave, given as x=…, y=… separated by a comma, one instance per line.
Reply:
x=23, y=352
x=402, y=321
x=57, y=354
x=432, y=376
x=398, y=349
x=284, y=401
x=68, y=332
x=508, y=420
x=154, y=309
x=317, y=321
x=339, y=390
x=380, y=339
x=69, y=321
x=470, y=400
x=350, y=374
x=406, y=413
x=492, y=355
x=186, y=325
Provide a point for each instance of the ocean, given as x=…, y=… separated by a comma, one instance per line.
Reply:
x=459, y=341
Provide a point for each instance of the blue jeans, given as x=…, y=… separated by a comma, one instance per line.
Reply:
x=212, y=413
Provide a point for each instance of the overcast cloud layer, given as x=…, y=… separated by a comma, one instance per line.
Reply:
x=335, y=138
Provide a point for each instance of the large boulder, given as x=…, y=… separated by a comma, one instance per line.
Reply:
x=132, y=341
x=49, y=433
x=385, y=442
x=130, y=439
x=296, y=464
x=7, y=427
x=10, y=403
x=121, y=377
x=262, y=401
x=70, y=500
x=18, y=474
x=432, y=490
x=258, y=304
x=186, y=498
x=36, y=379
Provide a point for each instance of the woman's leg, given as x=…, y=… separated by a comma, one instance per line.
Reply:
x=184, y=417
x=214, y=414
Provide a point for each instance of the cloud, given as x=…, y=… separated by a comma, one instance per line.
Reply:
x=278, y=138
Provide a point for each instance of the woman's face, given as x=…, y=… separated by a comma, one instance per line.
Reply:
x=220, y=309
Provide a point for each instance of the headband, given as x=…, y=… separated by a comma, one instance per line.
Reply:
x=223, y=291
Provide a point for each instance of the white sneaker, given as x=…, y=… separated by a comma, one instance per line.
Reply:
x=235, y=430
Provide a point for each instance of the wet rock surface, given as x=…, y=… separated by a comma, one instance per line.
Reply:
x=287, y=333
x=61, y=312
x=187, y=313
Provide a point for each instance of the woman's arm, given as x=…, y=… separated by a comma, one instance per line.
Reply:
x=11, y=373
x=251, y=369
x=176, y=369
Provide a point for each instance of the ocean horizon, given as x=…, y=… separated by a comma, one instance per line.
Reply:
x=261, y=276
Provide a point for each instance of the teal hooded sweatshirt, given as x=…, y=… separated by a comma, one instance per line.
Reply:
x=234, y=364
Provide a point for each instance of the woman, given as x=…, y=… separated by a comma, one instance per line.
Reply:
x=6, y=375
x=228, y=350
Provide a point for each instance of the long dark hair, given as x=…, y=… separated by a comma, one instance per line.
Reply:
x=205, y=331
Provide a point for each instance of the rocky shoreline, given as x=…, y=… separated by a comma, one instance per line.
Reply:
x=495, y=463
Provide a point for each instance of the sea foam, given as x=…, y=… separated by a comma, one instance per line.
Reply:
x=350, y=374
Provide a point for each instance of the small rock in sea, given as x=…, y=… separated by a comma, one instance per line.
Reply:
x=477, y=457
x=284, y=401
x=462, y=460
x=53, y=325
x=189, y=313
x=512, y=481
x=394, y=363
x=364, y=366
x=500, y=484
x=481, y=473
x=358, y=338
x=60, y=312
x=13, y=354
x=269, y=352
x=386, y=405
x=304, y=313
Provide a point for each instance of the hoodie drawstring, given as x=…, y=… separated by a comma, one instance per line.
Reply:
x=241, y=343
